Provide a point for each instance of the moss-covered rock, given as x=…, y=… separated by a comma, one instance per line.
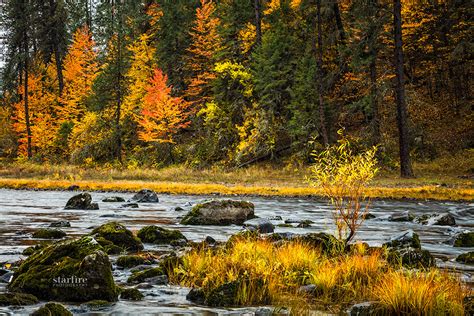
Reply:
x=131, y=261
x=131, y=294
x=52, y=309
x=411, y=258
x=402, y=217
x=17, y=299
x=119, y=235
x=81, y=201
x=142, y=276
x=404, y=239
x=158, y=235
x=466, y=258
x=464, y=240
x=220, y=212
x=49, y=233
x=196, y=296
x=326, y=242
x=97, y=304
x=224, y=295
x=73, y=270
x=32, y=249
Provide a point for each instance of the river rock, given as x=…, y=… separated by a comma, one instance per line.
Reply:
x=143, y=276
x=437, y=219
x=196, y=295
x=6, y=277
x=81, y=201
x=263, y=226
x=131, y=294
x=119, y=236
x=467, y=258
x=220, y=212
x=52, y=309
x=60, y=224
x=132, y=261
x=326, y=242
x=17, y=299
x=402, y=217
x=224, y=295
x=130, y=205
x=404, y=239
x=70, y=271
x=145, y=196
x=298, y=221
x=464, y=240
x=364, y=309
x=113, y=199
x=158, y=235
x=49, y=233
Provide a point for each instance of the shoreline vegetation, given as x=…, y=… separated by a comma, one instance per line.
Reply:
x=260, y=180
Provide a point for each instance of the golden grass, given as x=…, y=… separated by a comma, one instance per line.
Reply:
x=265, y=180
x=271, y=274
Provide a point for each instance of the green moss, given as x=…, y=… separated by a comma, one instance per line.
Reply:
x=141, y=276
x=131, y=294
x=413, y=242
x=94, y=304
x=31, y=250
x=326, y=242
x=81, y=259
x=131, y=261
x=223, y=295
x=285, y=225
x=464, y=240
x=17, y=299
x=158, y=235
x=52, y=309
x=411, y=258
x=466, y=258
x=49, y=233
x=119, y=236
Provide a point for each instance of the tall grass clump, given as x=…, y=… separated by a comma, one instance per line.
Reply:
x=420, y=293
x=344, y=174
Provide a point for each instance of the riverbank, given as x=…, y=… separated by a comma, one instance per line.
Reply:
x=263, y=180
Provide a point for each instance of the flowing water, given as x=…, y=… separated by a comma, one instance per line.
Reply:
x=22, y=212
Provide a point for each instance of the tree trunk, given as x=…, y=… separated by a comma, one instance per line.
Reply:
x=258, y=22
x=322, y=119
x=25, y=97
x=339, y=25
x=373, y=37
x=118, y=130
x=59, y=69
x=405, y=163
x=53, y=8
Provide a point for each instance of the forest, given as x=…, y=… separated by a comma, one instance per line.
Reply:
x=234, y=82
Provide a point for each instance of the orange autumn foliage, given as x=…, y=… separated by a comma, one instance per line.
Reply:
x=163, y=116
x=205, y=44
x=80, y=70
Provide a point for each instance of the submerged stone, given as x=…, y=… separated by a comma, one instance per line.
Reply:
x=49, y=233
x=119, y=236
x=81, y=201
x=464, y=240
x=145, y=196
x=131, y=294
x=130, y=205
x=60, y=224
x=158, y=235
x=73, y=270
x=113, y=199
x=17, y=299
x=263, y=226
x=220, y=212
x=52, y=309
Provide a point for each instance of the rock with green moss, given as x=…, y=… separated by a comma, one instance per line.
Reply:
x=81, y=201
x=220, y=212
x=143, y=276
x=109, y=246
x=52, y=309
x=404, y=239
x=17, y=299
x=158, y=235
x=467, y=257
x=97, y=304
x=131, y=261
x=119, y=235
x=72, y=270
x=402, y=217
x=412, y=258
x=326, y=242
x=49, y=233
x=32, y=249
x=131, y=294
x=224, y=295
x=464, y=240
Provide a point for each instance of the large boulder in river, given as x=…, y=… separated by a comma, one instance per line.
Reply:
x=145, y=196
x=70, y=271
x=81, y=201
x=262, y=225
x=464, y=240
x=405, y=249
x=220, y=212
x=158, y=235
x=119, y=236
